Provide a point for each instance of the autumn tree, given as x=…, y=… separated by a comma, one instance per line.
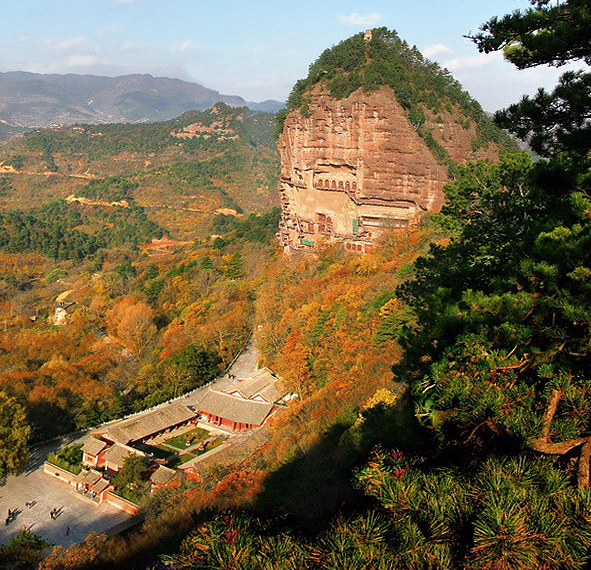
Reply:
x=132, y=323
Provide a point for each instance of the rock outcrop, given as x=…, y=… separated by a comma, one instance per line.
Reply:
x=355, y=167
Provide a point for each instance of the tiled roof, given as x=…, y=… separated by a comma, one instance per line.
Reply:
x=261, y=382
x=234, y=409
x=162, y=475
x=89, y=477
x=142, y=426
x=117, y=453
x=101, y=486
x=93, y=446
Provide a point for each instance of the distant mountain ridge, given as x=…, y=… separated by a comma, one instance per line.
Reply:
x=37, y=100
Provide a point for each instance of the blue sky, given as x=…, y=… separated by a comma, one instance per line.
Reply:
x=256, y=49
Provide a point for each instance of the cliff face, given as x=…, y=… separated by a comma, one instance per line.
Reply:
x=354, y=167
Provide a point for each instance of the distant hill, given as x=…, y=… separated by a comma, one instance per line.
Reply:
x=181, y=173
x=268, y=106
x=37, y=100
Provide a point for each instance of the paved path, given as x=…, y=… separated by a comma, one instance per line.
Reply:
x=78, y=514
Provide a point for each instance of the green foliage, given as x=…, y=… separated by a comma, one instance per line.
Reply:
x=254, y=228
x=53, y=230
x=553, y=122
x=14, y=435
x=68, y=458
x=544, y=34
x=500, y=301
x=131, y=482
x=44, y=144
x=280, y=117
x=507, y=513
x=152, y=290
x=55, y=275
x=393, y=325
x=17, y=161
x=235, y=266
x=110, y=189
x=5, y=186
x=26, y=539
x=204, y=366
x=419, y=84
x=23, y=551
x=552, y=34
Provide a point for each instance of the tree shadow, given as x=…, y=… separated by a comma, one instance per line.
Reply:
x=310, y=488
x=50, y=419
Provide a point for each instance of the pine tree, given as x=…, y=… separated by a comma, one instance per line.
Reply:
x=552, y=34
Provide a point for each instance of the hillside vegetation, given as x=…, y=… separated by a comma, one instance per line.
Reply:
x=443, y=417
x=178, y=174
x=114, y=222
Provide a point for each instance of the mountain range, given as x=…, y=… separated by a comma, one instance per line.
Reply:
x=37, y=100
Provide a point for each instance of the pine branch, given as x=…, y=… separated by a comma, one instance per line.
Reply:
x=583, y=472
x=542, y=446
x=553, y=402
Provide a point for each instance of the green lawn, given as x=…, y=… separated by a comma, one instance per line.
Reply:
x=184, y=457
x=210, y=446
x=180, y=459
x=159, y=451
x=187, y=439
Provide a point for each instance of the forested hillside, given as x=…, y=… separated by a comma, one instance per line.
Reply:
x=141, y=235
x=429, y=95
x=444, y=413
x=177, y=174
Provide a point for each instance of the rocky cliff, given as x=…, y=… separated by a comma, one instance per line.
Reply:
x=354, y=166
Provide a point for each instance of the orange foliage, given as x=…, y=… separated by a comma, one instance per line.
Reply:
x=237, y=489
x=316, y=322
x=132, y=324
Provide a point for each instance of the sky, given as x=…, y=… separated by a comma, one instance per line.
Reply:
x=256, y=49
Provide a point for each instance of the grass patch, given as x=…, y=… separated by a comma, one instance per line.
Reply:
x=187, y=439
x=180, y=459
x=209, y=446
x=158, y=451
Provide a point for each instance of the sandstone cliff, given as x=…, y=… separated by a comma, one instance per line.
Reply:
x=354, y=166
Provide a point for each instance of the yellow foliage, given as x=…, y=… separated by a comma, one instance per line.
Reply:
x=381, y=396
x=392, y=306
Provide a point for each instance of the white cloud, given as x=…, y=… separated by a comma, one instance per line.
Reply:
x=357, y=19
x=109, y=30
x=255, y=50
x=458, y=64
x=187, y=45
x=127, y=46
x=66, y=44
x=81, y=60
x=436, y=49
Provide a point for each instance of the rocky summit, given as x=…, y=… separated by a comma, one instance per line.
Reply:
x=362, y=153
